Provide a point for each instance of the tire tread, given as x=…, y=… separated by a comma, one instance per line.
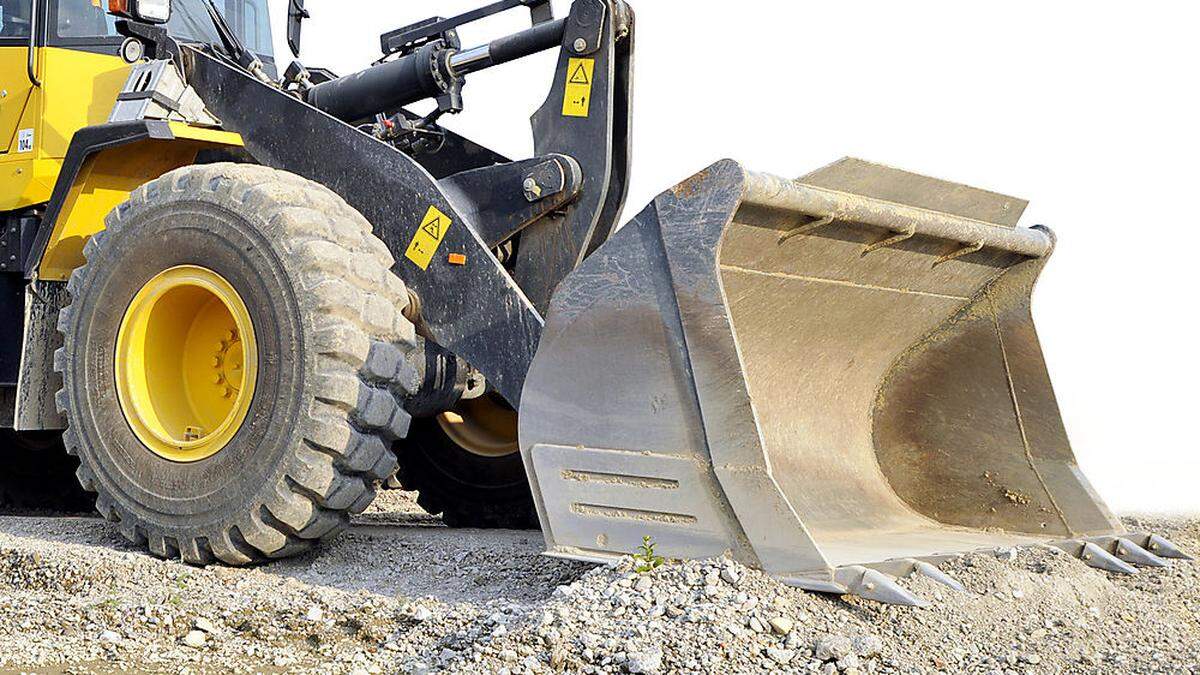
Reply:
x=339, y=457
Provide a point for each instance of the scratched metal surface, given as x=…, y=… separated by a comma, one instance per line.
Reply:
x=811, y=376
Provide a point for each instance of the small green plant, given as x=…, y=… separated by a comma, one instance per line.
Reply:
x=645, y=560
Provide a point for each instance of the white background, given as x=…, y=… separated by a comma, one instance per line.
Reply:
x=1089, y=110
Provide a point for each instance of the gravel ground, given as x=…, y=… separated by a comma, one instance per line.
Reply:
x=400, y=593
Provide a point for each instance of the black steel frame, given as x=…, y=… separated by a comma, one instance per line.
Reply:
x=472, y=304
x=552, y=210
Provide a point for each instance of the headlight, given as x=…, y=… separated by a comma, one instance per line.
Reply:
x=148, y=11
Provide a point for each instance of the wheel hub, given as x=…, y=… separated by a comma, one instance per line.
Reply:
x=186, y=364
x=484, y=426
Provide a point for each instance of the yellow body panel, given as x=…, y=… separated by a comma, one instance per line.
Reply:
x=78, y=90
x=105, y=181
x=214, y=136
x=14, y=94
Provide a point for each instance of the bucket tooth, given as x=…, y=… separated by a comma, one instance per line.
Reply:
x=875, y=585
x=931, y=571
x=1094, y=556
x=909, y=567
x=1160, y=546
x=1131, y=553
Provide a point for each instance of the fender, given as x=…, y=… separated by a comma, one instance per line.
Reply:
x=105, y=163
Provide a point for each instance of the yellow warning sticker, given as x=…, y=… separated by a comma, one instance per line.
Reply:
x=428, y=238
x=577, y=101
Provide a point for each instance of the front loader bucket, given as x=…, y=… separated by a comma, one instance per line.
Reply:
x=835, y=379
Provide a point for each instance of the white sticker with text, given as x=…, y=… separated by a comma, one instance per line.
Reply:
x=25, y=140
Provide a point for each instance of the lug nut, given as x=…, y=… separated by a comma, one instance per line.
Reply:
x=580, y=44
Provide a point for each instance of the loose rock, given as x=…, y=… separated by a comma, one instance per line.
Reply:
x=781, y=656
x=833, y=647
x=195, y=639
x=781, y=625
x=646, y=662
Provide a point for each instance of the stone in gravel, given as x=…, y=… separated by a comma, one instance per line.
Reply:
x=643, y=584
x=833, y=647
x=756, y=625
x=110, y=637
x=314, y=613
x=205, y=625
x=195, y=639
x=867, y=646
x=729, y=575
x=508, y=655
x=781, y=656
x=848, y=662
x=781, y=625
x=420, y=614
x=648, y=661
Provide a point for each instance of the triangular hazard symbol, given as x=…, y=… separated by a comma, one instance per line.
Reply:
x=580, y=75
x=433, y=227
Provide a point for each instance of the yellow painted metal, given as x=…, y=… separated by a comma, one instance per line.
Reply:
x=484, y=426
x=186, y=363
x=78, y=90
x=182, y=130
x=14, y=93
x=105, y=181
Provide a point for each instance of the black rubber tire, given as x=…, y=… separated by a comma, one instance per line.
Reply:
x=327, y=317
x=465, y=489
x=39, y=475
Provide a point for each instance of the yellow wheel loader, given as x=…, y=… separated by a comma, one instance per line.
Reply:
x=245, y=300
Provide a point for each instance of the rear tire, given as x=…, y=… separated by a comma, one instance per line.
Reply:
x=325, y=309
x=486, y=488
x=39, y=474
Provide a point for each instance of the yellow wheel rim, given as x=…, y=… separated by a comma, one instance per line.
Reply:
x=186, y=364
x=484, y=426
